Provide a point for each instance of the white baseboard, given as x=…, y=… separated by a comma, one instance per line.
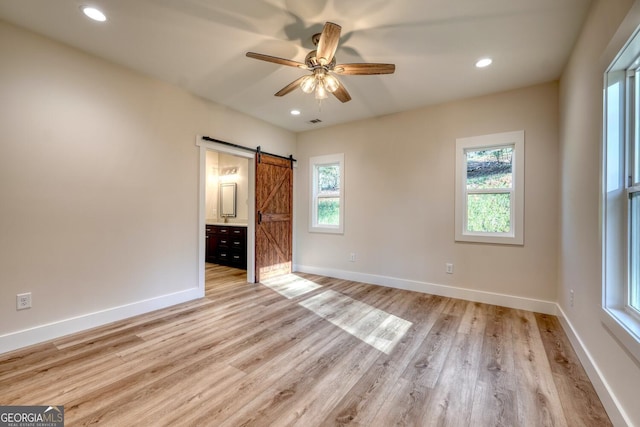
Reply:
x=539, y=306
x=611, y=404
x=42, y=333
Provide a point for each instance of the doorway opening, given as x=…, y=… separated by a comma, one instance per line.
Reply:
x=232, y=228
x=226, y=211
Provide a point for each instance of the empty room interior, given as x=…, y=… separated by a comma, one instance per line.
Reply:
x=432, y=222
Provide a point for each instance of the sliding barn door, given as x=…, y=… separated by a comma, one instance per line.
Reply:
x=274, y=216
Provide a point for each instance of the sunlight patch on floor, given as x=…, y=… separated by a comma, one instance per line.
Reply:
x=376, y=327
x=291, y=285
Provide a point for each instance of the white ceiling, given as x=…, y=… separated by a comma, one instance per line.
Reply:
x=200, y=45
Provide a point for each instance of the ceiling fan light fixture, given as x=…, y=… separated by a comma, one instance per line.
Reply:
x=321, y=92
x=308, y=84
x=331, y=83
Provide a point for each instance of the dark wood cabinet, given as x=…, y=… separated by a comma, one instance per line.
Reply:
x=227, y=245
x=211, y=245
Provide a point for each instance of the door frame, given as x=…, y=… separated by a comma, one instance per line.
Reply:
x=251, y=214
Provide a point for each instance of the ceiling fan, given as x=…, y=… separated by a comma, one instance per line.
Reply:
x=322, y=63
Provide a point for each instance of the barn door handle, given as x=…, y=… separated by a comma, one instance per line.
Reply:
x=259, y=217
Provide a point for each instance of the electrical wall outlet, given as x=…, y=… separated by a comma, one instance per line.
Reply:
x=352, y=257
x=449, y=268
x=23, y=301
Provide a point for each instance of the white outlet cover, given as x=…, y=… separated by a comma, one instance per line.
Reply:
x=23, y=301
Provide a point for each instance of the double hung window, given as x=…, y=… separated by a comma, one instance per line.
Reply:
x=490, y=188
x=621, y=198
x=327, y=199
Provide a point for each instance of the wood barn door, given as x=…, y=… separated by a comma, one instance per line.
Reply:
x=274, y=216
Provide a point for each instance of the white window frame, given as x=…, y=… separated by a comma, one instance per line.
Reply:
x=621, y=128
x=514, y=139
x=314, y=163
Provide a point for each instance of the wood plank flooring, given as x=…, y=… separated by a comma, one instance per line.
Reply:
x=307, y=350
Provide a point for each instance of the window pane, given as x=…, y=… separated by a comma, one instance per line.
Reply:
x=489, y=213
x=328, y=178
x=329, y=211
x=614, y=137
x=634, y=239
x=635, y=153
x=490, y=168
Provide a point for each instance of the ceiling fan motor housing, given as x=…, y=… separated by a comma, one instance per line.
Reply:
x=311, y=61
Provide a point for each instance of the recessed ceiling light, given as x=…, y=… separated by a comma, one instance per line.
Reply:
x=484, y=62
x=94, y=13
x=295, y=112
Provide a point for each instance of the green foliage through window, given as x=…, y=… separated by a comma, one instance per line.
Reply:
x=328, y=186
x=329, y=211
x=489, y=212
x=634, y=248
x=327, y=204
x=490, y=168
x=328, y=178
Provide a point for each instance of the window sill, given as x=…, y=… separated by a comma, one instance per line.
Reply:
x=495, y=239
x=326, y=230
x=624, y=327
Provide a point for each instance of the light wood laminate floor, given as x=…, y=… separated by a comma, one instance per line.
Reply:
x=311, y=351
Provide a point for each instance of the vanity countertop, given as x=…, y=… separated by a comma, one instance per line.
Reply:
x=229, y=224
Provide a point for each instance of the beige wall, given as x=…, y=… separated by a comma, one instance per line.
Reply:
x=99, y=181
x=580, y=247
x=216, y=162
x=211, y=191
x=242, y=185
x=399, y=190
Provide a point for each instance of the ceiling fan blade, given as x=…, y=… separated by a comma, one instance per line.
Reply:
x=342, y=94
x=277, y=60
x=364, y=69
x=290, y=87
x=328, y=42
